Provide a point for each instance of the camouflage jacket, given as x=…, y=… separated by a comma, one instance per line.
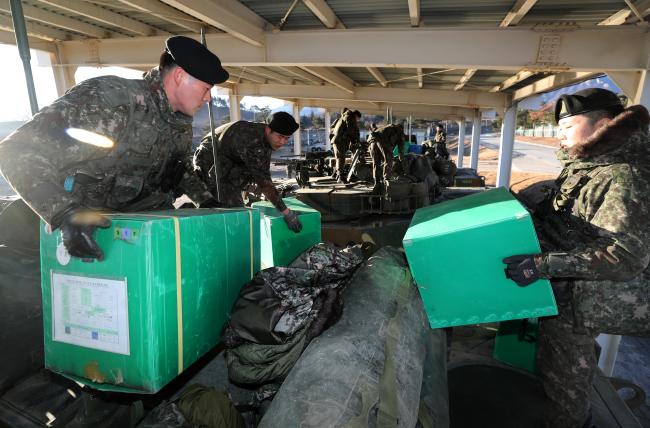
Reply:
x=346, y=130
x=388, y=136
x=597, y=219
x=244, y=157
x=52, y=171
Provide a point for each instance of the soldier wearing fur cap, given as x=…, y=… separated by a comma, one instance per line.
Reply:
x=595, y=236
x=113, y=144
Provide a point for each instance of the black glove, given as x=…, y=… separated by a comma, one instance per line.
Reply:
x=209, y=203
x=292, y=220
x=77, y=231
x=522, y=269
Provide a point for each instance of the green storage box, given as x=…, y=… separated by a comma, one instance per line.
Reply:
x=516, y=343
x=455, y=251
x=154, y=305
x=279, y=245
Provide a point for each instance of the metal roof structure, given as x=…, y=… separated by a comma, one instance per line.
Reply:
x=406, y=54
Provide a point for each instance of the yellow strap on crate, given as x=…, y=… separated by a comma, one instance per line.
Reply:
x=179, y=276
x=179, y=292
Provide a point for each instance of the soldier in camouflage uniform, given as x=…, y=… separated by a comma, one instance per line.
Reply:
x=595, y=233
x=244, y=156
x=437, y=148
x=113, y=144
x=346, y=135
x=382, y=143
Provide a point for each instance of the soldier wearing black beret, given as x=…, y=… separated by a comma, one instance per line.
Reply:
x=595, y=239
x=113, y=144
x=244, y=156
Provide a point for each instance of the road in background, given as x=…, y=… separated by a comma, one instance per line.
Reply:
x=526, y=157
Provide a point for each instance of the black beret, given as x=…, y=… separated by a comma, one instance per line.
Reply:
x=283, y=123
x=585, y=101
x=196, y=59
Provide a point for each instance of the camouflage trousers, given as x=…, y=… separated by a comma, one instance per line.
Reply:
x=382, y=161
x=340, y=149
x=566, y=357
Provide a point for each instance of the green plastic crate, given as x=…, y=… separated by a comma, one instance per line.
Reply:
x=455, y=251
x=154, y=305
x=516, y=343
x=279, y=245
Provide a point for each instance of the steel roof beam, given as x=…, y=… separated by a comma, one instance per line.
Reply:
x=57, y=20
x=166, y=13
x=271, y=75
x=522, y=75
x=466, y=99
x=616, y=19
x=324, y=13
x=552, y=82
x=634, y=13
x=237, y=74
x=34, y=30
x=643, y=8
x=333, y=76
x=227, y=15
x=366, y=106
x=463, y=80
x=518, y=11
x=105, y=16
x=627, y=47
x=414, y=12
x=8, y=37
x=302, y=74
x=378, y=76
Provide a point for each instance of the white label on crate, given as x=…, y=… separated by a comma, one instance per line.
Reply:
x=90, y=312
x=62, y=255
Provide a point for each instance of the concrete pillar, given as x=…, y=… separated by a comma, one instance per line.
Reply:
x=476, y=140
x=507, y=145
x=235, y=112
x=328, y=124
x=63, y=74
x=297, y=145
x=634, y=84
x=461, y=143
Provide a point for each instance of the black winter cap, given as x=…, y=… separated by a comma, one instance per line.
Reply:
x=196, y=59
x=283, y=123
x=585, y=101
